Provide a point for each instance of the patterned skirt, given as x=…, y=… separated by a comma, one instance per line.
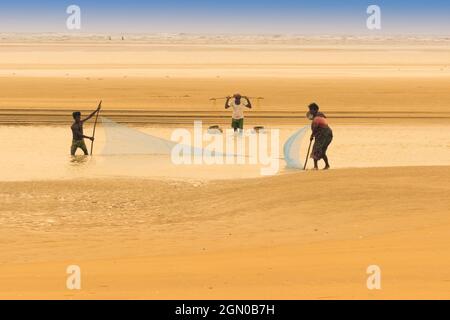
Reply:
x=323, y=139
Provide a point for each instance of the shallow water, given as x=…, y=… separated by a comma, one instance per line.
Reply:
x=42, y=153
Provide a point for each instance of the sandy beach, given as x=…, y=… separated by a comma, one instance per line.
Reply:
x=170, y=240
x=341, y=74
x=205, y=234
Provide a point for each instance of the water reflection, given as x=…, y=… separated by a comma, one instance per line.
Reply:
x=77, y=161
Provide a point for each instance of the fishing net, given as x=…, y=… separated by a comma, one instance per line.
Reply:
x=122, y=140
x=292, y=149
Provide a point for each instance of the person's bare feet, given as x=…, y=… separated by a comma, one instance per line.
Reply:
x=326, y=168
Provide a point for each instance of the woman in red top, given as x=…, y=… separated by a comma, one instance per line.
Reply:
x=322, y=133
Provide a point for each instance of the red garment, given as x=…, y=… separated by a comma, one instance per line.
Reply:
x=320, y=122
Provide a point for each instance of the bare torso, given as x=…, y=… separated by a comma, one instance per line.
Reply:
x=77, y=131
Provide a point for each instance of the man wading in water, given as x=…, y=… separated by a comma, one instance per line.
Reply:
x=322, y=133
x=237, y=123
x=77, y=132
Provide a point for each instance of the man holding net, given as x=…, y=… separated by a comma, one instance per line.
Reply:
x=77, y=132
x=322, y=134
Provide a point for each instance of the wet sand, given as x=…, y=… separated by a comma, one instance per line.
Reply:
x=160, y=239
x=297, y=235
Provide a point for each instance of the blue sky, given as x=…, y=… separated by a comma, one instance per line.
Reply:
x=231, y=16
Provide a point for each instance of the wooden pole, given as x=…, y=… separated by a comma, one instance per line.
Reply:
x=307, y=156
x=95, y=127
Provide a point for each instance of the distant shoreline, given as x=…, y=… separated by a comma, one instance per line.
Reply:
x=54, y=116
x=185, y=38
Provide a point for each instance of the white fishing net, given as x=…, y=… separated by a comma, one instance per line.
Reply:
x=292, y=149
x=122, y=140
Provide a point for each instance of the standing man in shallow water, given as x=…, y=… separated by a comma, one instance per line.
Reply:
x=77, y=132
x=237, y=122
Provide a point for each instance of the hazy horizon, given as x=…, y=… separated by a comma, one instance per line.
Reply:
x=197, y=34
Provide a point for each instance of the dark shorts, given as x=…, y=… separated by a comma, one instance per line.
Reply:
x=237, y=124
x=322, y=141
x=78, y=144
